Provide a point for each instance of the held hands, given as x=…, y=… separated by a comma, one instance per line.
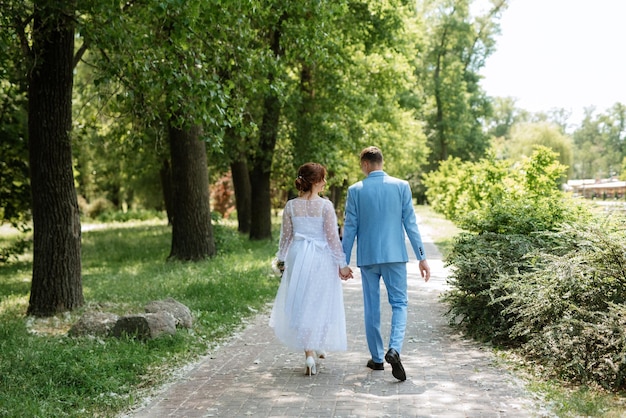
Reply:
x=345, y=273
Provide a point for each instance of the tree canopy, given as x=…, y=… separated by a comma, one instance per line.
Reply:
x=142, y=105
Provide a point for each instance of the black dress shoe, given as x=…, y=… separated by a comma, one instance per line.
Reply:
x=397, y=370
x=375, y=366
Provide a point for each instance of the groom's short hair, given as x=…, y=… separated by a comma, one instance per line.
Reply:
x=372, y=154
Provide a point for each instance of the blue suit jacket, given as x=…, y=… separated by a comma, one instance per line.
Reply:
x=379, y=210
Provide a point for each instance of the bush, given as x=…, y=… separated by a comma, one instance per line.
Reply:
x=16, y=248
x=503, y=225
x=223, y=196
x=570, y=305
x=477, y=301
x=98, y=207
x=535, y=269
x=131, y=215
x=499, y=195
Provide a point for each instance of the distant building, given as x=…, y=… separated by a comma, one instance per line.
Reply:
x=597, y=188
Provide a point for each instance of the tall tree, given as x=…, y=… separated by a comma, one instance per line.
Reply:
x=613, y=125
x=504, y=115
x=525, y=137
x=192, y=234
x=243, y=193
x=57, y=282
x=261, y=160
x=600, y=143
x=460, y=43
x=350, y=84
x=173, y=85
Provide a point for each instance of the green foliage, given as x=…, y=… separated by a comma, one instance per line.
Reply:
x=15, y=194
x=444, y=187
x=45, y=373
x=130, y=215
x=571, y=305
x=526, y=200
x=15, y=248
x=200, y=60
x=112, y=161
x=352, y=89
x=14, y=174
x=502, y=206
x=503, y=117
x=581, y=401
x=536, y=269
x=543, y=171
x=599, y=143
x=525, y=137
x=458, y=45
x=500, y=195
x=479, y=263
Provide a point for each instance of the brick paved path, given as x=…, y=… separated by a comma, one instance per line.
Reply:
x=252, y=375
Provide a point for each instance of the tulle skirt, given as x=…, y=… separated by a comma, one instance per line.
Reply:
x=308, y=313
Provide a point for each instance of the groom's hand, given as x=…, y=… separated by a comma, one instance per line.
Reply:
x=345, y=273
x=424, y=270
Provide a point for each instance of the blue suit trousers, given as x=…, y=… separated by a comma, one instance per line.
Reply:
x=395, y=278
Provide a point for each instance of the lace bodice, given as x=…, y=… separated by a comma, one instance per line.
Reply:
x=314, y=219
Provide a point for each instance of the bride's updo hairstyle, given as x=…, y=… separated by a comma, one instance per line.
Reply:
x=308, y=175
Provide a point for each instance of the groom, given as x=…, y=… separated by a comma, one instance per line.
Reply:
x=379, y=210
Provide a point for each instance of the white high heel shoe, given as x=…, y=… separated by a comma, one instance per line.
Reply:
x=310, y=366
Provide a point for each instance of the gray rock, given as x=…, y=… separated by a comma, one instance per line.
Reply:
x=145, y=326
x=97, y=324
x=180, y=312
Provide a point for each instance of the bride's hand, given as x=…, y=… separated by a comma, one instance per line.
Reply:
x=345, y=273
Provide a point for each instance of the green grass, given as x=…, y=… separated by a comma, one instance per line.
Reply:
x=576, y=402
x=565, y=400
x=43, y=373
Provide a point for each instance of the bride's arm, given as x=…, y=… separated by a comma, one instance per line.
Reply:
x=286, y=233
x=331, y=230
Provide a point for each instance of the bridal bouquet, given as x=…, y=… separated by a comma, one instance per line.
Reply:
x=278, y=267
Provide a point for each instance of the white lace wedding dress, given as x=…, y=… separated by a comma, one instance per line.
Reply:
x=308, y=313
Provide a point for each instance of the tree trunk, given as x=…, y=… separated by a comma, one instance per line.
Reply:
x=305, y=141
x=337, y=194
x=440, y=145
x=57, y=282
x=168, y=193
x=439, y=123
x=192, y=233
x=243, y=190
x=261, y=219
x=260, y=174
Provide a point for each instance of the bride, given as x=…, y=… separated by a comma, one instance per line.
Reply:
x=308, y=313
